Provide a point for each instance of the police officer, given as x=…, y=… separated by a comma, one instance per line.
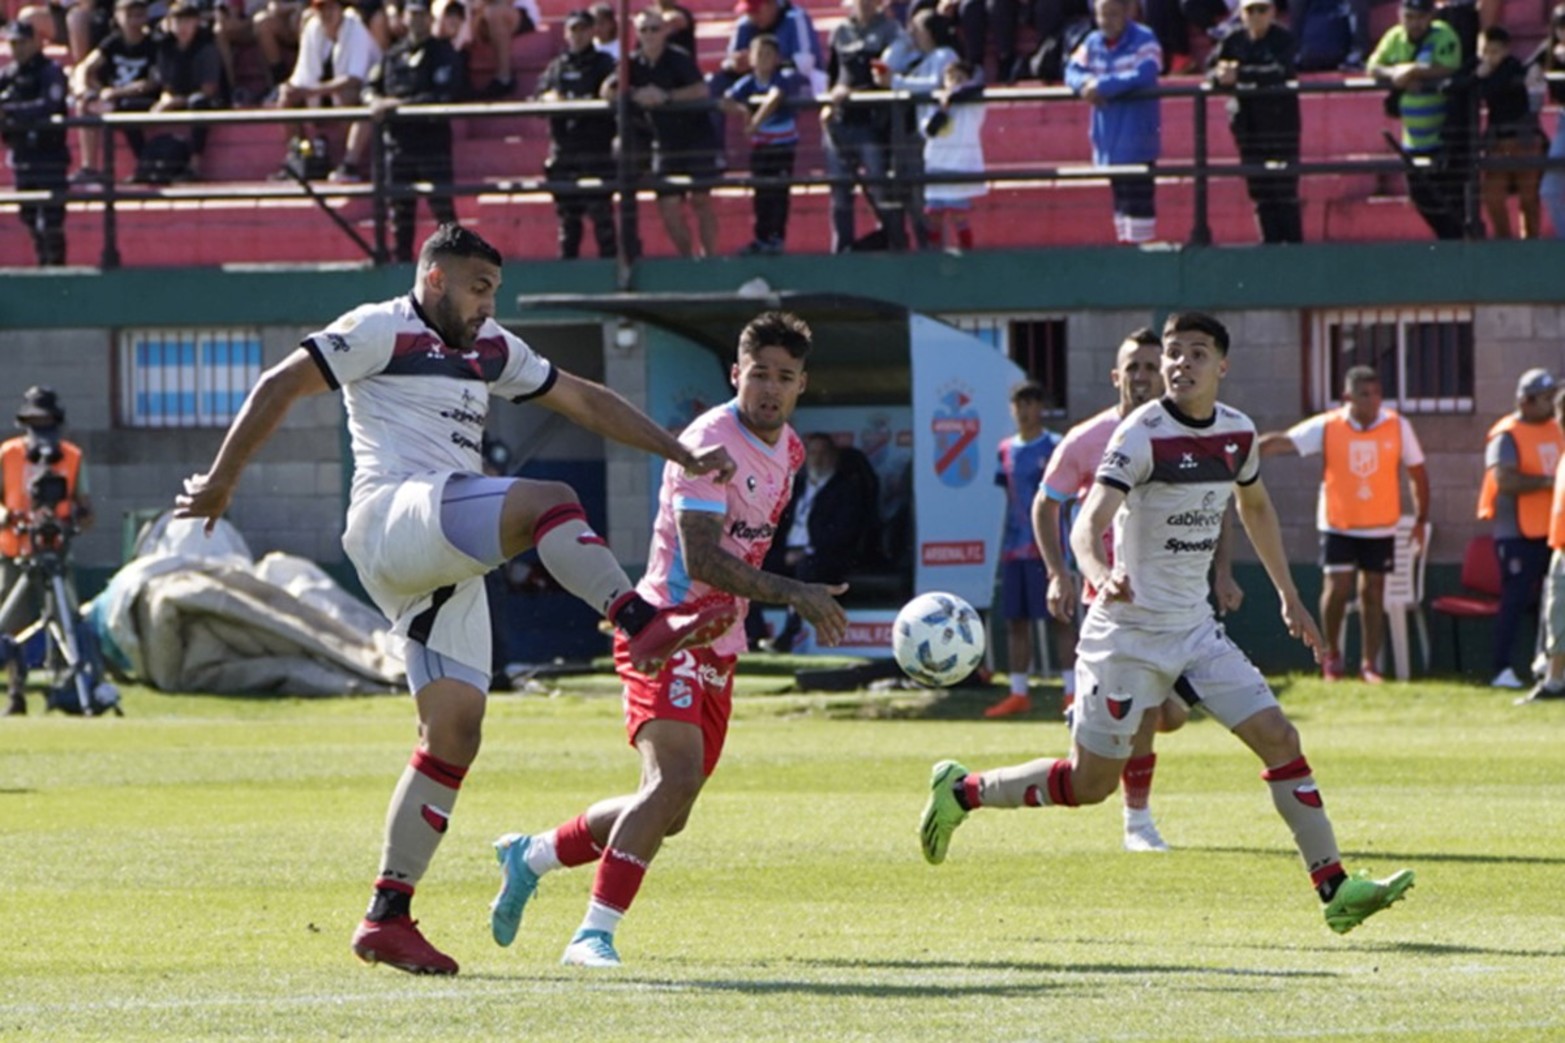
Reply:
x=580, y=146
x=23, y=460
x=32, y=89
x=419, y=69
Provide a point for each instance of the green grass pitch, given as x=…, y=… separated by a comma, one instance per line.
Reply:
x=193, y=871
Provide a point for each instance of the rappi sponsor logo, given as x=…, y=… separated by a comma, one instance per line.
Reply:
x=865, y=635
x=952, y=552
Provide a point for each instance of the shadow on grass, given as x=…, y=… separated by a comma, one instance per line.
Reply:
x=1040, y=967
x=1415, y=857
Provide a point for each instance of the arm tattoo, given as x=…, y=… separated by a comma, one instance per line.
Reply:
x=699, y=534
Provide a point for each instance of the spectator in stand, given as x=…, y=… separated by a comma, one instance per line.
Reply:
x=681, y=24
x=858, y=137
x=581, y=145
x=1551, y=626
x=953, y=145
x=275, y=29
x=998, y=21
x=190, y=76
x=1328, y=32
x=1415, y=57
x=683, y=143
x=1266, y=127
x=1550, y=57
x=494, y=23
x=336, y=42
x=33, y=91
x=797, y=41
x=420, y=69
x=1521, y=455
x=916, y=63
x=79, y=24
x=1512, y=132
x=120, y=75
x=1362, y=447
x=763, y=97
x=1118, y=57
x=605, y=28
x=1166, y=19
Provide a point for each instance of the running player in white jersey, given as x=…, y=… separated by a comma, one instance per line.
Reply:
x=707, y=544
x=424, y=524
x=1164, y=484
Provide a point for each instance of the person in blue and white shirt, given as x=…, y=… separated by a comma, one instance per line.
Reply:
x=1116, y=59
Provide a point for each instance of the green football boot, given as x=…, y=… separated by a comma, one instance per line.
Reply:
x=942, y=814
x=1361, y=897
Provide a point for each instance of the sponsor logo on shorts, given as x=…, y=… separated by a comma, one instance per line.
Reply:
x=680, y=695
x=1119, y=709
x=338, y=342
x=437, y=818
x=1309, y=796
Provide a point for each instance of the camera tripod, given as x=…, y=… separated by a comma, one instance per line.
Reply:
x=78, y=685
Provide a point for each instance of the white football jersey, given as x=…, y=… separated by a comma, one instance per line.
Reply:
x=1177, y=474
x=414, y=404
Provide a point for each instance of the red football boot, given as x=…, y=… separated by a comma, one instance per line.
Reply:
x=676, y=627
x=397, y=943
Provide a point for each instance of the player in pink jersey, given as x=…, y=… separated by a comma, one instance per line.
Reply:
x=1164, y=485
x=424, y=524
x=707, y=544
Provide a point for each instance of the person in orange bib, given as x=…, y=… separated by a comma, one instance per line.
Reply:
x=1362, y=446
x=1552, y=623
x=1520, y=456
x=23, y=460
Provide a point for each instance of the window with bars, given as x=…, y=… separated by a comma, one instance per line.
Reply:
x=1036, y=343
x=1424, y=356
x=186, y=377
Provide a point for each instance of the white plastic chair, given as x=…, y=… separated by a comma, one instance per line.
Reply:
x=1404, y=599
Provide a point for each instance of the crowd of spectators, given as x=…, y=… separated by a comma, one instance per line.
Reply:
x=1453, y=81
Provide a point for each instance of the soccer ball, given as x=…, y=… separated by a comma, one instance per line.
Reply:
x=937, y=639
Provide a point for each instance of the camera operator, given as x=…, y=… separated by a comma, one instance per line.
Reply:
x=24, y=462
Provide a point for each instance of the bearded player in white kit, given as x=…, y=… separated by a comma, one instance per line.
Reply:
x=425, y=524
x=1164, y=484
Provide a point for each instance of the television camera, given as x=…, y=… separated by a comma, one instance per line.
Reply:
x=78, y=685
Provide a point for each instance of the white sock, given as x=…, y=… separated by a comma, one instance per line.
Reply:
x=541, y=857
x=1135, y=818
x=1018, y=684
x=600, y=918
x=1068, y=679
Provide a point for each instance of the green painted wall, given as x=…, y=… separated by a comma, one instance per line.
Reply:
x=1228, y=278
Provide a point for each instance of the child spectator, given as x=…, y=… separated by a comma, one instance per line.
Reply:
x=190, y=74
x=774, y=137
x=1513, y=131
x=953, y=144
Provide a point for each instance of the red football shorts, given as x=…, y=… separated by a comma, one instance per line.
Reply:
x=696, y=686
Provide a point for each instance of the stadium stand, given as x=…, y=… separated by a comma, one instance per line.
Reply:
x=1357, y=207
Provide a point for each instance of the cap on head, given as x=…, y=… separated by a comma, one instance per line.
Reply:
x=578, y=18
x=1249, y=4
x=40, y=405
x=184, y=9
x=18, y=31
x=1535, y=382
x=1419, y=6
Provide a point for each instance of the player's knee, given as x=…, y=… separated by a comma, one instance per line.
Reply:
x=1094, y=788
x=1172, y=716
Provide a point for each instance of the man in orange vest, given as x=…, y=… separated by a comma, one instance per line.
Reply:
x=1552, y=625
x=1362, y=446
x=23, y=460
x=1520, y=457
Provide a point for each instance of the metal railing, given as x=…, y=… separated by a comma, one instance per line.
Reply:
x=1198, y=168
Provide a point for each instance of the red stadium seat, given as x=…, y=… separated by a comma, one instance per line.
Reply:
x=1480, y=598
